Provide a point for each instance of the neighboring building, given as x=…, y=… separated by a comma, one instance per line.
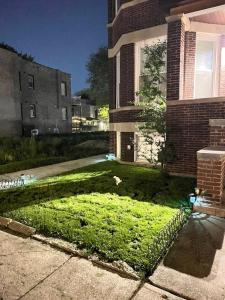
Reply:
x=32, y=96
x=195, y=34
x=84, y=114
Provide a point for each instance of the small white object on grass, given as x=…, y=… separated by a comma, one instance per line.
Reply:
x=118, y=180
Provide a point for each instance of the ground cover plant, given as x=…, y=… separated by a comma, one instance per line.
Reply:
x=86, y=207
x=24, y=153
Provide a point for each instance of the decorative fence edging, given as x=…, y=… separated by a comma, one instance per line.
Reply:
x=163, y=241
x=11, y=183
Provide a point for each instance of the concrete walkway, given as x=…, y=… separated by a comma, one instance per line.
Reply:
x=56, y=169
x=195, y=265
x=31, y=270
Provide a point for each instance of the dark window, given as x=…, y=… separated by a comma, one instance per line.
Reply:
x=32, y=111
x=20, y=81
x=31, y=82
x=64, y=114
x=63, y=88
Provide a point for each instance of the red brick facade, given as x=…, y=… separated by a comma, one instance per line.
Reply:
x=189, y=131
x=211, y=178
x=175, y=60
x=127, y=69
x=188, y=126
x=217, y=133
x=112, y=83
x=125, y=116
x=112, y=142
x=144, y=15
x=189, y=64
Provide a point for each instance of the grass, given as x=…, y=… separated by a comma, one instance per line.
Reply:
x=87, y=208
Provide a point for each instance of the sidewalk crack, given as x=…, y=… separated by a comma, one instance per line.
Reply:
x=46, y=277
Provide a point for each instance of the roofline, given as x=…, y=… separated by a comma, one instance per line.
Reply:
x=34, y=62
x=188, y=6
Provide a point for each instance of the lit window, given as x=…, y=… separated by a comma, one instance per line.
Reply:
x=63, y=88
x=32, y=111
x=31, y=82
x=204, y=70
x=143, y=72
x=64, y=114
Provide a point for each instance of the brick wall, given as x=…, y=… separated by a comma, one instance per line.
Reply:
x=217, y=133
x=127, y=78
x=175, y=60
x=137, y=17
x=210, y=178
x=127, y=138
x=112, y=142
x=125, y=116
x=189, y=131
x=189, y=64
x=112, y=83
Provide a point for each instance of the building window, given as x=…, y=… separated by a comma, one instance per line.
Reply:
x=207, y=66
x=118, y=80
x=64, y=114
x=63, y=89
x=141, y=72
x=32, y=111
x=31, y=81
x=117, y=6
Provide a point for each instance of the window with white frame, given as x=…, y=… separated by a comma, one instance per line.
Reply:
x=63, y=88
x=140, y=61
x=118, y=80
x=207, y=68
x=64, y=114
x=117, y=6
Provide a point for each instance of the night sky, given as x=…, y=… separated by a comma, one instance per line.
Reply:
x=58, y=33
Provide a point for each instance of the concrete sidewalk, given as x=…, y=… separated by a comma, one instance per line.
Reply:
x=195, y=265
x=56, y=169
x=31, y=270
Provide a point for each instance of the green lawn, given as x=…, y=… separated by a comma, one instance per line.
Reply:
x=87, y=208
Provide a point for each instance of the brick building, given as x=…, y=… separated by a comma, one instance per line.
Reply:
x=32, y=96
x=195, y=35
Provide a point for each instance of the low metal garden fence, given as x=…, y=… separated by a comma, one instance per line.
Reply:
x=162, y=242
x=11, y=183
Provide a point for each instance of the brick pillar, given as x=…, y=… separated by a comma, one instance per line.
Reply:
x=189, y=64
x=210, y=174
x=175, y=60
x=222, y=70
x=112, y=142
x=127, y=80
x=127, y=146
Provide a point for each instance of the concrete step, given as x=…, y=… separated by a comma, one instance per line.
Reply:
x=210, y=208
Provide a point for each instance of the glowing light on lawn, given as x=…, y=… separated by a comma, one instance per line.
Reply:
x=118, y=180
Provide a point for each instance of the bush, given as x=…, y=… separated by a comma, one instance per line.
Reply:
x=25, y=153
x=19, y=149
